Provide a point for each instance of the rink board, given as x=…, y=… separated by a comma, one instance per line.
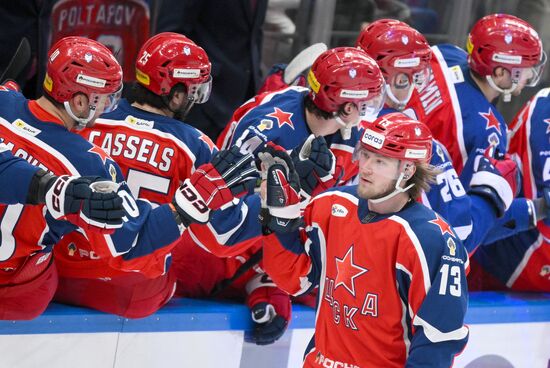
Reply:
x=506, y=330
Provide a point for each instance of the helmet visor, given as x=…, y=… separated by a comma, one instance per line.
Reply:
x=112, y=100
x=200, y=93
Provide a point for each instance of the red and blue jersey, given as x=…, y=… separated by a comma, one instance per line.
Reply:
x=280, y=117
x=41, y=139
x=457, y=112
x=392, y=288
x=522, y=261
x=13, y=167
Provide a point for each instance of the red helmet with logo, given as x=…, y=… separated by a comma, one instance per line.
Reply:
x=346, y=74
x=396, y=47
x=168, y=59
x=398, y=136
x=80, y=65
x=506, y=41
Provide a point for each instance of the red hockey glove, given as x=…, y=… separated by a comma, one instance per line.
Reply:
x=497, y=178
x=281, y=200
x=316, y=166
x=271, y=310
x=215, y=185
x=74, y=199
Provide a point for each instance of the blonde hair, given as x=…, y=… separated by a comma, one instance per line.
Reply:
x=424, y=176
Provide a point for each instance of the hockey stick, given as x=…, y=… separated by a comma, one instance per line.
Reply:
x=303, y=61
x=18, y=61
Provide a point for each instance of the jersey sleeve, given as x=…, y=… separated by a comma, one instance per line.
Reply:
x=432, y=281
x=293, y=260
x=15, y=177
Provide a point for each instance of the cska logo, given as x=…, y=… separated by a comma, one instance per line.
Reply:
x=405, y=39
x=186, y=50
x=352, y=73
x=88, y=57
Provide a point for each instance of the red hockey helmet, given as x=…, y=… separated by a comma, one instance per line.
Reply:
x=397, y=136
x=80, y=65
x=506, y=41
x=167, y=59
x=346, y=74
x=402, y=53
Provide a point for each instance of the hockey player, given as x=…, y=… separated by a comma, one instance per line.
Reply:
x=156, y=152
x=83, y=80
x=391, y=272
x=403, y=55
x=504, y=54
x=522, y=261
x=345, y=86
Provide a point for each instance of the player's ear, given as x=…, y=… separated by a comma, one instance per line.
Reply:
x=409, y=171
x=178, y=99
x=499, y=73
x=79, y=104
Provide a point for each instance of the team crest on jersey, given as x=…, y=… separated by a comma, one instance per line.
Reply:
x=491, y=120
x=101, y=153
x=347, y=272
x=444, y=227
x=545, y=271
x=26, y=128
x=265, y=124
x=139, y=122
x=339, y=211
x=282, y=117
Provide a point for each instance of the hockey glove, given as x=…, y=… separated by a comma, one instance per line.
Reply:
x=497, y=178
x=281, y=200
x=214, y=185
x=271, y=310
x=316, y=166
x=72, y=198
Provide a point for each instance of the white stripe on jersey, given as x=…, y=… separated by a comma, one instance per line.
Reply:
x=159, y=133
x=455, y=103
x=418, y=248
x=526, y=257
x=435, y=336
x=37, y=142
x=543, y=94
x=323, y=256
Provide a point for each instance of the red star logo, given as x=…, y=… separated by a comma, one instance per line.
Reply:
x=100, y=152
x=282, y=117
x=492, y=121
x=443, y=226
x=547, y=121
x=208, y=141
x=347, y=271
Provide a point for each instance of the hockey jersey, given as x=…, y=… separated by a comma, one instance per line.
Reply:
x=155, y=154
x=280, y=117
x=522, y=261
x=457, y=112
x=40, y=138
x=12, y=167
x=392, y=288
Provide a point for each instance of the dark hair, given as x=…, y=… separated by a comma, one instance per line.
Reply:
x=423, y=178
x=57, y=104
x=142, y=95
x=312, y=108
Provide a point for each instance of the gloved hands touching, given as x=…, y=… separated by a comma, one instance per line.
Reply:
x=316, y=165
x=214, y=185
x=280, y=191
x=79, y=200
x=271, y=309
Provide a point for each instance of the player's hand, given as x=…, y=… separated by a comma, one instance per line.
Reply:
x=74, y=199
x=496, y=177
x=281, y=200
x=271, y=310
x=316, y=166
x=214, y=185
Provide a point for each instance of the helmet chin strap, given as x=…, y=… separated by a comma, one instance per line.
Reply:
x=399, y=105
x=507, y=93
x=397, y=190
x=80, y=122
